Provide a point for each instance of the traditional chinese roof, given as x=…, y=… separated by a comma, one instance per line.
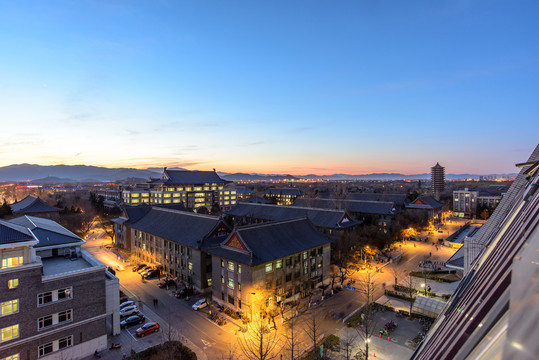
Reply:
x=182, y=227
x=425, y=202
x=13, y=233
x=260, y=243
x=32, y=204
x=398, y=199
x=352, y=206
x=131, y=214
x=46, y=231
x=258, y=200
x=182, y=177
x=283, y=191
x=325, y=218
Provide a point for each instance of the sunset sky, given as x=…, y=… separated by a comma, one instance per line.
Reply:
x=295, y=87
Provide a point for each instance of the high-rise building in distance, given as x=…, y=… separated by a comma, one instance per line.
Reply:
x=438, y=180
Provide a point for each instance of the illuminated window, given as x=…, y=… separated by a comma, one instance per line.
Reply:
x=230, y=266
x=269, y=267
x=231, y=283
x=12, y=262
x=10, y=332
x=279, y=264
x=12, y=357
x=239, y=269
x=13, y=283
x=190, y=265
x=10, y=307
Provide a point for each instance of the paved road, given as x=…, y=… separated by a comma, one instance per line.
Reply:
x=210, y=340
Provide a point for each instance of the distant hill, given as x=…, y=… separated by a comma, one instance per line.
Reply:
x=83, y=173
x=53, y=180
x=79, y=173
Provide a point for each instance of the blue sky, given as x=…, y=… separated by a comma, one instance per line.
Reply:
x=271, y=86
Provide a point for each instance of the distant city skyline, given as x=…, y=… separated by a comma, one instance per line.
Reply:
x=280, y=87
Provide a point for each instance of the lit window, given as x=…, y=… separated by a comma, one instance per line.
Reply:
x=10, y=332
x=13, y=283
x=222, y=263
x=279, y=264
x=239, y=269
x=12, y=261
x=269, y=267
x=231, y=283
x=190, y=265
x=230, y=266
x=10, y=307
x=12, y=357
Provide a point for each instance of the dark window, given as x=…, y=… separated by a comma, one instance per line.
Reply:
x=288, y=261
x=278, y=281
x=64, y=316
x=231, y=299
x=45, y=349
x=44, y=298
x=269, y=284
x=45, y=322
x=65, y=342
x=320, y=251
x=223, y=296
x=288, y=277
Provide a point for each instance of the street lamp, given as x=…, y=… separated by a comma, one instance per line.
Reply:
x=425, y=288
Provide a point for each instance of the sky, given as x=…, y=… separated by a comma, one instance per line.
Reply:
x=298, y=87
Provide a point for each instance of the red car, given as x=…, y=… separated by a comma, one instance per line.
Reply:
x=148, y=328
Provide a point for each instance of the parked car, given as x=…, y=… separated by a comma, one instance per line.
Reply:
x=128, y=311
x=183, y=293
x=165, y=283
x=138, y=267
x=144, y=269
x=200, y=304
x=151, y=274
x=148, y=328
x=126, y=303
x=132, y=320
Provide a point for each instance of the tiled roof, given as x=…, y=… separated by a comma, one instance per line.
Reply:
x=189, y=177
x=283, y=191
x=270, y=241
x=332, y=219
x=13, y=233
x=258, y=200
x=457, y=259
x=425, y=202
x=398, y=199
x=32, y=204
x=47, y=231
x=352, y=206
x=182, y=227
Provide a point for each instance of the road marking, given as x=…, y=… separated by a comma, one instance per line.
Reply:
x=207, y=344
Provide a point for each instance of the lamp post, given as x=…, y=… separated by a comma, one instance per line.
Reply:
x=367, y=341
x=424, y=286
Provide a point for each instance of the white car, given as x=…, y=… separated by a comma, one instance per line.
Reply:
x=200, y=304
x=128, y=311
x=126, y=303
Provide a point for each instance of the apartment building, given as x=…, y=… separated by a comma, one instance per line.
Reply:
x=56, y=299
x=194, y=189
x=227, y=198
x=280, y=261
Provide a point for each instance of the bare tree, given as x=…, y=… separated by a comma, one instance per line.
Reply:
x=230, y=352
x=396, y=274
x=258, y=343
x=292, y=340
x=410, y=284
x=347, y=343
x=365, y=287
x=108, y=228
x=313, y=324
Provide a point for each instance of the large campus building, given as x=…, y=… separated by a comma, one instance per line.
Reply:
x=280, y=261
x=493, y=314
x=57, y=301
x=193, y=189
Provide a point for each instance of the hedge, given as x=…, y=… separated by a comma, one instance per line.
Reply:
x=398, y=296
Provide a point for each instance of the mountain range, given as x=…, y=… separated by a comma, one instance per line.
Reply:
x=47, y=174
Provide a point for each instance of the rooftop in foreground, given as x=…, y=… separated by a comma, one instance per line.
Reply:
x=59, y=265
